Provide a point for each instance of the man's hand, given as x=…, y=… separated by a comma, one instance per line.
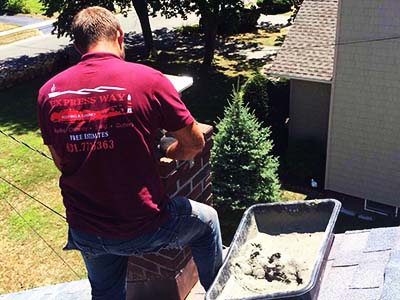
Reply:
x=164, y=144
x=189, y=142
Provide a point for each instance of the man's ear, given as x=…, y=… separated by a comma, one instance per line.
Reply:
x=77, y=48
x=120, y=37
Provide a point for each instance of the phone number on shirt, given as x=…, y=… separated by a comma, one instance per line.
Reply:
x=90, y=146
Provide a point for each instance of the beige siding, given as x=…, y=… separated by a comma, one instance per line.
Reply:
x=309, y=110
x=363, y=158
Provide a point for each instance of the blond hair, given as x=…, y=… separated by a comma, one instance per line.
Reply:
x=94, y=24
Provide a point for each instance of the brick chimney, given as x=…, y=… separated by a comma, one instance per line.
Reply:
x=171, y=274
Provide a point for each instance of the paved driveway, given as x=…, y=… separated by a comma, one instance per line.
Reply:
x=20, y=20
x=47, y=42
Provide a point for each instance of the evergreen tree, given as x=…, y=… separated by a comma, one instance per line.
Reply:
x=244, y=171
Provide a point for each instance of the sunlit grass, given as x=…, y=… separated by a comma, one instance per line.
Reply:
x=7, y=26
x=34, y=7
x=26, y=259
x=17, y=36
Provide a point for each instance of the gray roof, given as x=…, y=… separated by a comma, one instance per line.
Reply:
x=363, y=264
x=74, y=290
x=308, y=50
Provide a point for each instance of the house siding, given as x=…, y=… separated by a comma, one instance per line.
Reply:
x=309, y=111
x=363, y=158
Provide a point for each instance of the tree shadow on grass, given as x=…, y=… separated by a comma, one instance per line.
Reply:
x=18, y=107
x=186, y=46
x=180, y=52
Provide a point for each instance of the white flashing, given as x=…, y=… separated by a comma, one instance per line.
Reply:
x=180, y=83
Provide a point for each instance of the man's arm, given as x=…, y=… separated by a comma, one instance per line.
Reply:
x=56, y=158
x=189, y=142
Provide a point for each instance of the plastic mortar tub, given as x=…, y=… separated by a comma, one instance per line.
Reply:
x=313, y=216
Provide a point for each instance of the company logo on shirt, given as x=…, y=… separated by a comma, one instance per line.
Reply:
x=85, y=91
x=74, y=108
x=71, y=115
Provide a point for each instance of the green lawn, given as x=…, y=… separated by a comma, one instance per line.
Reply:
x=26, y=7
x=34, y=6
x=7, y=26
x=17, y=36
x=24, y=253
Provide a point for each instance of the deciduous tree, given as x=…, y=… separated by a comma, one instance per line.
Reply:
x=211, y=12
x=67, y=10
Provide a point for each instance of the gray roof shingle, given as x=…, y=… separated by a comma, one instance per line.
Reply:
x=335, y=283
x=382, y=239
x=363, y=294
x=64, y=291
x=391, y=286
x=308, y=50
x=364, y=265
x=368, y=276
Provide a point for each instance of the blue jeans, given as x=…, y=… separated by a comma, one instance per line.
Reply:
x=192, y=223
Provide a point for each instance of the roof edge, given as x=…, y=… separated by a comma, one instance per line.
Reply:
x=300, y=78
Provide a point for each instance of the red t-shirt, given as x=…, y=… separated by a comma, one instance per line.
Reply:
x=101, y=117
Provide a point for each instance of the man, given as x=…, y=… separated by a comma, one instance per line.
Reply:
x=99, y=119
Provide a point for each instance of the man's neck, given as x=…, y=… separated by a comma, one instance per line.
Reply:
x=105, y=47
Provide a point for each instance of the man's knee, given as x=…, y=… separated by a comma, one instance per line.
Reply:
x=213, y=214
x=206, y=213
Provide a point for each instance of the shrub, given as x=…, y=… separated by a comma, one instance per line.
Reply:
x=244, y=171
x=273, y=7
x=16, y=6
x=278, y=112
x=255, y=95
x=269, y=99
x=3, y=4
x=239, y=20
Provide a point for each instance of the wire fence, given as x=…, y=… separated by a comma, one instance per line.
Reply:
x=25, y=144
x=19, y=189
x=44, y=240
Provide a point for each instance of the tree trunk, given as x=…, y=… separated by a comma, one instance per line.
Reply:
x=209, y=13
x=210, y=37
x=142, y=12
